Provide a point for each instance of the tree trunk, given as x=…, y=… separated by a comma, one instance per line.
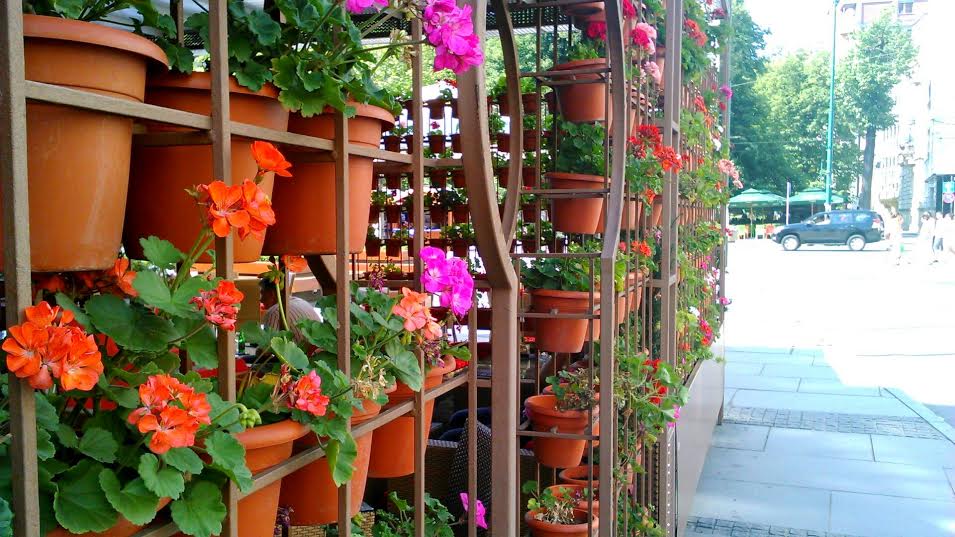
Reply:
x=868, y=159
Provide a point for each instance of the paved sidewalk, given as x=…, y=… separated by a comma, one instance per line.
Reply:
x=818, y=438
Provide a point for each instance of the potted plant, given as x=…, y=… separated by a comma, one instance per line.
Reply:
x=461, y=237
x=84, y=154
x=446, y=201
x=392, y=452
x=561, y=285
x=529, y=169
x=456, y=141
x=438, y=177
x=372, y=243
x=392, y=140
x=495, y=128
x=564, y=409
x=551, y=514
x=379, y=200
x=393, y=180
x=436, y=140
x=458, y=178
x=580, y=165
x=583, y=102
x=399, y=238
x=400, y=521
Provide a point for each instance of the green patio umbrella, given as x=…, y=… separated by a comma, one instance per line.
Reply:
x=752, y=198
x=813, y=197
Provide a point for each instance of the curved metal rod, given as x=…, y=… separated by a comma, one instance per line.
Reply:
x=505, y=29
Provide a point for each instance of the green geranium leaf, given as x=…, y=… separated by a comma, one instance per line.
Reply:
x=80, y=503
x=46, y=416
x=67, y=303
x=98, y=444
x=133, y=328
x=161, y=252
x=70, y=9
x=342, y=463
x=250, y=74
x=201, y=348
x=6, y=519
x=44, y=445
x=405, y=365
x=133, y=501
x=183, y=459
x=153, y=290
x=290, y=352
x=226, y=411
x=228, y=456
x=165, y=482
x=200, y=510
x=264, y=27
x=124, y=397
x=67, y=436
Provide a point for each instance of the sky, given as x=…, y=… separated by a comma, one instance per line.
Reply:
x=795, y=24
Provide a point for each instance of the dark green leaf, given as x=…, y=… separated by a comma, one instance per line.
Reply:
x=264, y=27
x=70, y=9
x=133, y=500
x=124, y=397
x=6, y=519
x=290, y=353
x=67, y=436
x=45, y=413
x=200, y=510
x=98, y=444
x=165, y=482
x=133, y=328
x=183, y=459
x=44, y=446
x=67, y=303
x=228, y=456
x=80, y=503
x=201, y=349
x=161, y=252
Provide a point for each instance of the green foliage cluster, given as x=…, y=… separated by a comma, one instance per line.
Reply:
x=582, y=148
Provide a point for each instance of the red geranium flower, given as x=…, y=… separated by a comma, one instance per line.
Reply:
x=306, y=394
x=295, y=263
x=123, y=277
x=171, y=428
x=270, y=159
x=83, y=363
x=219, y=304
x=669, y=159
x=171, y=411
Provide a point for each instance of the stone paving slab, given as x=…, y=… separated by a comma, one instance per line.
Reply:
x=740, y=368
x=760, y=382
x=834, y=387
x=950, y=474
x=883, y=516
x=823, y=443
x=736, y=436
x=918, y=451
x=734, y=356
x=800, y=371
x=733, y=528
x=830, y=421
x=813, y=402
x=791, y=507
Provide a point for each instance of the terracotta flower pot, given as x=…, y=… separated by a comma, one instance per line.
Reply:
x=530, y=212
x=529, y=175
x=627, y=221
x=580, y=103
x=458, y=178
x=578, y=214
x=78, y=160
x=439, y=215
x=122, y=528
x=546, y=529
x=392, y=143
x=374, y=212
x=265, y=446
x=530, y=103
x=502, y=105
x=157, y=204
x=392, y=450
x=590, y=9
x=504, y=142
x=578, y=491
x=393, y=247
x=544, y=416
x=531, y=140
x=580, y=476
x=311, y=492
x=409, y=141
x=461, y=247
x=393, y=213
x=437, y=143
x=304, y=204
x=439, y=177
x=393, y=181
x=461, y=214
x=656, y=213
x=441, y=244
x=436, y=109
x=561, y=335
x=373, y=247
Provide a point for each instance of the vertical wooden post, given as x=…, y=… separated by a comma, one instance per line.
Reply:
x=222, y=169
x=343, y=289
x=16, y=269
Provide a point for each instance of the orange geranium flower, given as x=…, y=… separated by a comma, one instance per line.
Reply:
x=413, y=309
x=171, y=428
x=44, y=315
x=259, y=208
x=224, y=207
x=123, y=277
x=83, y=364
x=172, y=411
x=52, y=283
x=270, y=159
x=295, y=263
x=219, y=304
x=24, y=347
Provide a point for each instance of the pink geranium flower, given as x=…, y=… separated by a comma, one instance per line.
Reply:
x=643, y=35
x=451, y=30
x=479, y=510
x=359, y=6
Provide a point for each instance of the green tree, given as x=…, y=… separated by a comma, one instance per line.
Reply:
x=881, y=55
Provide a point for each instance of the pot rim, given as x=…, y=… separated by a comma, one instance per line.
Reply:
x=560, y=528
x=272, y=434
x=202, y=80
x=43, y=27
x=571, y=176
x=566, y=295
x=540, y=404
x=577, y=63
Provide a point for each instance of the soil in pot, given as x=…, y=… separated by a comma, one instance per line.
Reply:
x=544, y=416
x=561, y=335
x=157, y=204
x=311, y=492
x=582, y=102
x=265, y=446
x=306, y=221
x=577, y=214
x=392, y=450
x=78, y=160
x=546, y=529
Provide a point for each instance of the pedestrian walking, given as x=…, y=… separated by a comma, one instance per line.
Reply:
x=938, y=235
x=926, y=239
x=948, y=237
x=893, y=232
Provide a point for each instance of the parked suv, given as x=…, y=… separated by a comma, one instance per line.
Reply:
x=854, y=228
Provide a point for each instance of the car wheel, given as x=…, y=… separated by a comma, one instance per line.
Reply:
x=856, y=243
x=790, y=243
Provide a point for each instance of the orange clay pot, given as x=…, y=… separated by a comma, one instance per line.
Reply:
x=311, y=492
x=577, y=214
x=656, y=213
x=579, y=475
x=545, y=529
x=78, y=160
x=306, y=221
x=158, y=204
x=392, y=449
x=123, y=527
x=629, y=218
x=580, y=103
x=561, y=335
x=265, y=446
x=544, y=416
x=577, y=491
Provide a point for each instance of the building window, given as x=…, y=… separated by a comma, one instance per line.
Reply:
x=905, y=7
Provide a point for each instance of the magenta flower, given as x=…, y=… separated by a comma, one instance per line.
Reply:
x=629, y=10
x=597, y=30
x=448, y=277
x=726, y=91
x=676, y=416
x=451, y=30
x=359, y=6
x=479, y=511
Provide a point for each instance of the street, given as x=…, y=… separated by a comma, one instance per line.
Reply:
x=838, y=383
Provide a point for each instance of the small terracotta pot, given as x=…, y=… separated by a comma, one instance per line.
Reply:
x=502, y=175
x=373, y=247
x=544, y=416
x=627, y=221
x=304, y=204
x=374, y=212
x=530, y=103
x=456, y=142
x=461, y=247
x=578, y=491
x=531, y=140
x=561, y=335
x=577, y=215
x=530, y=212
x=393, y=213
x=458, y=178
x=159, y=175
x=545, y=529
x=437, y=143
x=438, y=177
x=439, y=215
x=409, y=142
x=436, y=109
x=592, y=10
x=265, y=446
x=393, y=247
x=461, y=214
x=502, y=105
x=656, y=213
x=392, y=451
x=122, y=528
x=78, y=160
x=392, y=143
x=580, y=103
x=529, y=175
x=580, y=476
x=311, y=492
x=504, y=142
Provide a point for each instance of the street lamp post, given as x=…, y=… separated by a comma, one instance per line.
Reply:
x=832, y=107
